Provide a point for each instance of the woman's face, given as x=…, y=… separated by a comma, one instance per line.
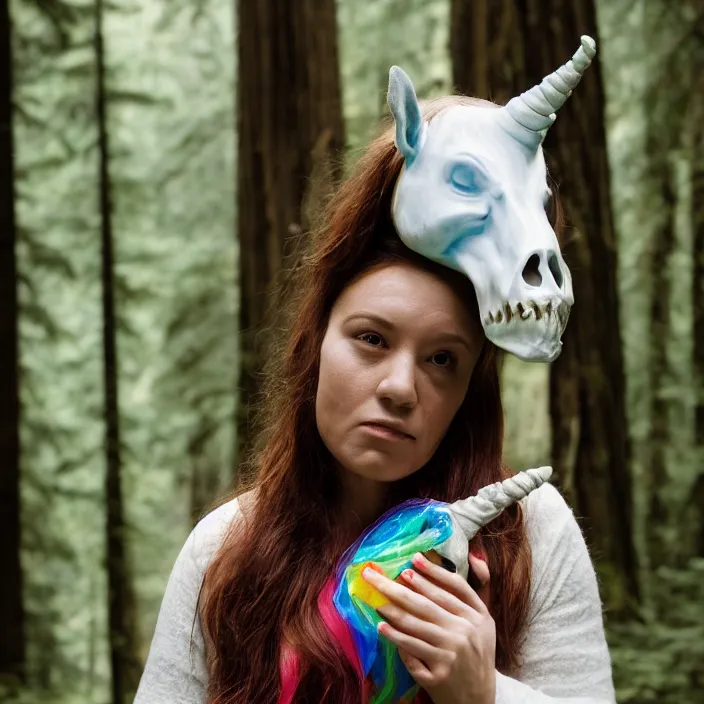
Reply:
x=395, y=365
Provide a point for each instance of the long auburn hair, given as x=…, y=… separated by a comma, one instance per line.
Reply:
x=260, y=592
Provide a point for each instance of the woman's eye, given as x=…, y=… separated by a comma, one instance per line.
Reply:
x=443, y=359
x=371, y=338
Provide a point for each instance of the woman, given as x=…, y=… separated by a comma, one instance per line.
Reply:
x=383, y=388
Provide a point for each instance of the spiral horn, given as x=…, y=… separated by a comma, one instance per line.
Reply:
x=476, y=511
x=529, y=115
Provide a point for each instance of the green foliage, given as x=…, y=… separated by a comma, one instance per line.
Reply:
x=410, y=33
x=171, y=69
x=168, y=76
x=661, y=659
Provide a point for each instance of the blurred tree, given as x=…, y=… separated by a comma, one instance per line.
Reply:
x=56, y=375
x=695, y=37
x=671, y=103
x=290, y=126
x=697, y=200
x=409, y=33
x=12, y=642
x=662, y=177
x=122, y=603
x=590, y=444
x=486, y=48
x=698, y=247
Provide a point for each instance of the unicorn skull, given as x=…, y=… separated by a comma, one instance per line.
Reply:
x=472, y=196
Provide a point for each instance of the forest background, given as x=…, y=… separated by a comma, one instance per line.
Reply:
x=156, y=159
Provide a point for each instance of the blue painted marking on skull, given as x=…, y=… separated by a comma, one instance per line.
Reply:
x=467, y=179
x=478, y=227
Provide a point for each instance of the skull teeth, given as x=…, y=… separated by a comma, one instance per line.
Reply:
x=524, y=311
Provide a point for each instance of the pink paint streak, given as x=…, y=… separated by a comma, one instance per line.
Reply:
x=339, y=630
x=289, y=672
x=289, y=664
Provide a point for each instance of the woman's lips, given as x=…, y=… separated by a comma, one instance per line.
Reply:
x=383, y=431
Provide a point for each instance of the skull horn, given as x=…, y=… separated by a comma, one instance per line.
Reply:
x=476, y=511
x=533, y=112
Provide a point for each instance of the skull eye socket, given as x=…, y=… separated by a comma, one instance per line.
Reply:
x=466, y=179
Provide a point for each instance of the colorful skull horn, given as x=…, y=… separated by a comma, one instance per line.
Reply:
x=442, y=531
x=470, y=515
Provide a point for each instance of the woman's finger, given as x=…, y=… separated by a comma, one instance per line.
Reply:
x=417, y=669
x=450, y=581
x=412, y=602
x=416, y=647
x=411, y=625
x=481, y=570
x=436, y=593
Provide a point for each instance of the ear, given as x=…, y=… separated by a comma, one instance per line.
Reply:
x=410, y=127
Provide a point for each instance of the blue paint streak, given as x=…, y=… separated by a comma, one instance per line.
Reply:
x=479, y=228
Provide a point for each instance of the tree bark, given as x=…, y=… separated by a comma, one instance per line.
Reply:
x=591, y=368
x=486, y=48
x=12, y=642
x=122, y=603
x=290, y=126
x=697, y=200
x=662, y=248
x=498, y=54
x=698, y=273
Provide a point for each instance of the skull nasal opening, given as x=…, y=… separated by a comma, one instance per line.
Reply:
x=531, y=271
x=555, y=270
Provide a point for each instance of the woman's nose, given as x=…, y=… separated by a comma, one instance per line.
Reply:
x=398, y=384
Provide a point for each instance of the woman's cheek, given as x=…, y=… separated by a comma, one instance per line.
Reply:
x=338, y=390
x=438, y=420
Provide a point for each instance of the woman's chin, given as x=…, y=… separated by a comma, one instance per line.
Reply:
x=376, y=467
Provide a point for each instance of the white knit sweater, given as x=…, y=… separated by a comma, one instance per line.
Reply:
x=564, y=655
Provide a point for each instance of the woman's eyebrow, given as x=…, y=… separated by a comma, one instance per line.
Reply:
x=372, y=317
x=453, y=337
x=383, y=322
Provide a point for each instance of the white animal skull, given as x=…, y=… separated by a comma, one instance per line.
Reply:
x=472, y=196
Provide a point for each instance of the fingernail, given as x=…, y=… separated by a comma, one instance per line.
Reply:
x=419, y=559
x=478, y=554
x=408, y=575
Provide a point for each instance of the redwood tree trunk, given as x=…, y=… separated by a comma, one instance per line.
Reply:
x=506, y=51
x=122, y=604
x=486, y=48
x=12, y=641
x=663, y=244
x=592, y=370
x=290, y=129
x=697, y=199
x=698, y=273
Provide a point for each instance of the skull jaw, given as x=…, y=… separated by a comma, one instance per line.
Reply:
x=525, y=349
x=528, y=337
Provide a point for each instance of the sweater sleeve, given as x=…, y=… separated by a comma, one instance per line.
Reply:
x=175, y=670
x=564, y=655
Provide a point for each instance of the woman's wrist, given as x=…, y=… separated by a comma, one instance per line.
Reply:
x=488, y=695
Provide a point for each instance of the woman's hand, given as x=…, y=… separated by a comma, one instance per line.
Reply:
x=444, y=632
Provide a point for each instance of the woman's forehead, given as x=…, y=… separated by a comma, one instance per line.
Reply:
x=402, y=291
